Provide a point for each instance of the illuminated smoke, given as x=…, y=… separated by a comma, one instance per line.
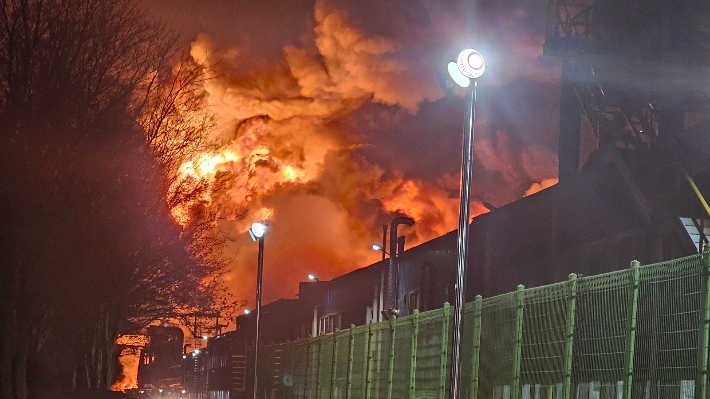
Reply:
x=536, y=187
x=514, y=163
x=279, y=155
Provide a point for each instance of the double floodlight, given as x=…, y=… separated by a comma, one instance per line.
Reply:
x=258, y=230
x=469, y=65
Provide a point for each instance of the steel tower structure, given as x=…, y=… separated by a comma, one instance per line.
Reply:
x=638, y=72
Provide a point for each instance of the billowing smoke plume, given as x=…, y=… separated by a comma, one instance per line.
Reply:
x=281, y=153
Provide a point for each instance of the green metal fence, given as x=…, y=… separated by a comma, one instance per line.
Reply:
x=636, y=333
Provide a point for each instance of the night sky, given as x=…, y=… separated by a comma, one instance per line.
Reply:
x=349, y=91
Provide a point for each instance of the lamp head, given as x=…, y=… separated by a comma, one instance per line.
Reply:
x=469, y=65
x=312, y=277
x=247, y=311
x=376, y=247
x=258, y=230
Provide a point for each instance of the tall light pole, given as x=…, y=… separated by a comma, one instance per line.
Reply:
x=469, y=66
x=257, y=233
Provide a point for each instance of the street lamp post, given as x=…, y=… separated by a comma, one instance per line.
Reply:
x=469, y=66
x=257, y=232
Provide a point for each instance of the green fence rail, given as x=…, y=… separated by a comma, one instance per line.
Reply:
x=635, y=333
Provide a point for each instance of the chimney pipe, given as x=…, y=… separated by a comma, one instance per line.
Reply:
x=384, y=241
x=392, y=283
x=400, y=250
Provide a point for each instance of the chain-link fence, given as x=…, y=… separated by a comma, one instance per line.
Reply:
x=637, y=333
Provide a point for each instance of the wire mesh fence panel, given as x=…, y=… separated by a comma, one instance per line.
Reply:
x=466, y=349
x=269, y=371
x=264, y=368
x=429, y=354
x=341, y=342
x=498, y=325
x=601, y=334
x=401, y=368
x=311, y=380
x=300, y=369
x=325, y=367
x=380, y=350
x=358, y=366
x=545, y=324
x=469, y=361
x=288, y=364
x=667, y=331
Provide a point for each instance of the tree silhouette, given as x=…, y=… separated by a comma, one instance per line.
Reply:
x=88, y=245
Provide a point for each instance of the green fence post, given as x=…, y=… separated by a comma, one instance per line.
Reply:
x=368, y=365
x=444, y=350
x=569, y=337
x=413, y=358
x=318, y=366
x=351, y=348
x=520, y=305
x=390, y=371
x=308, y=366
x=704, y=333
x=334, y=368
x=476, y=355
x=631, y=338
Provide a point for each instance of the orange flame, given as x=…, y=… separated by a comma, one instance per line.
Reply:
x=431, y=208
x=254, y=164
x=129, y=362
